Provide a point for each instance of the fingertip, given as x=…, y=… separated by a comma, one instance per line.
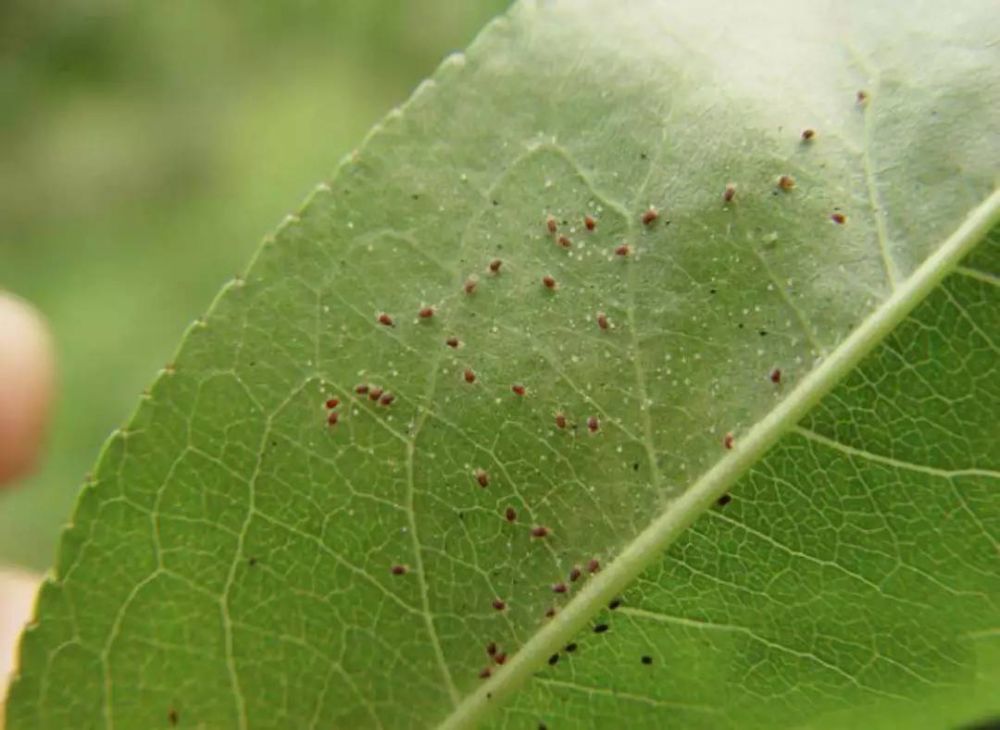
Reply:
x=26, y=384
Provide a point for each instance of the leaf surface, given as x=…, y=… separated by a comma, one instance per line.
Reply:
x=239, y=562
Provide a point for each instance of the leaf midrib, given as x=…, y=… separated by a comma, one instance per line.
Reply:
x=749, y=449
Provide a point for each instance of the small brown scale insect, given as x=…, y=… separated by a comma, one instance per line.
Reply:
x=593, y=565
x=482, y=477
x=333, y=419
x=385, y=319
x=426, y=312
x=333, y=402
x=623, y=250
x=590, y=222
x=602, y=320
x=650, y=216
x=470, y=377
x=470, y=285
x=565, y=242
x=495, y=265
x=399, y=570
x=499, y=604
x=550, y=224
x=593, y=424
x=517, y=389
x=575, y=573
x=728, y=441
x=452, y=342
x=361, y=389
x=808, y=134
x=775, y=376
x=510, y=515
x=838, y=218
x=786, y=182
x=729, y=193
x=548, y=282
x=559, y=588
x=539, y=531
x=387, y=399
x=374, y=393
x=560, y=420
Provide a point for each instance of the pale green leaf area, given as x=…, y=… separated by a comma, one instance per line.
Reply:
x=230, y=564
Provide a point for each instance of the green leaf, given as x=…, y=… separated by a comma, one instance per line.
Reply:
x=230, y=565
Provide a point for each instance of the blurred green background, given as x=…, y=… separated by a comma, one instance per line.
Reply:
x=145, y=149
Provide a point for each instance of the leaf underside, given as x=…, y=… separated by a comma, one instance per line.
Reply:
x=236, y=561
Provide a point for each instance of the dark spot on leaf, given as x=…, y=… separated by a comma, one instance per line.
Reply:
x=635, y=466
x=724, y=500
x=485, y=674
x=553, y=660
x=550, y=612
x=452, y=342
x=252, y=562
x=762, y=333
x=574, y=574
x=646, y=659
x=491, y=648
x=496, y=202
x=500, y=658
x=601, y=628
x=593, y=565
x=862, y=96
x=172, y=717
x=570, y=648
x=510, y=514
x=559, y=588
x=399, y=569
x=615, y=604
